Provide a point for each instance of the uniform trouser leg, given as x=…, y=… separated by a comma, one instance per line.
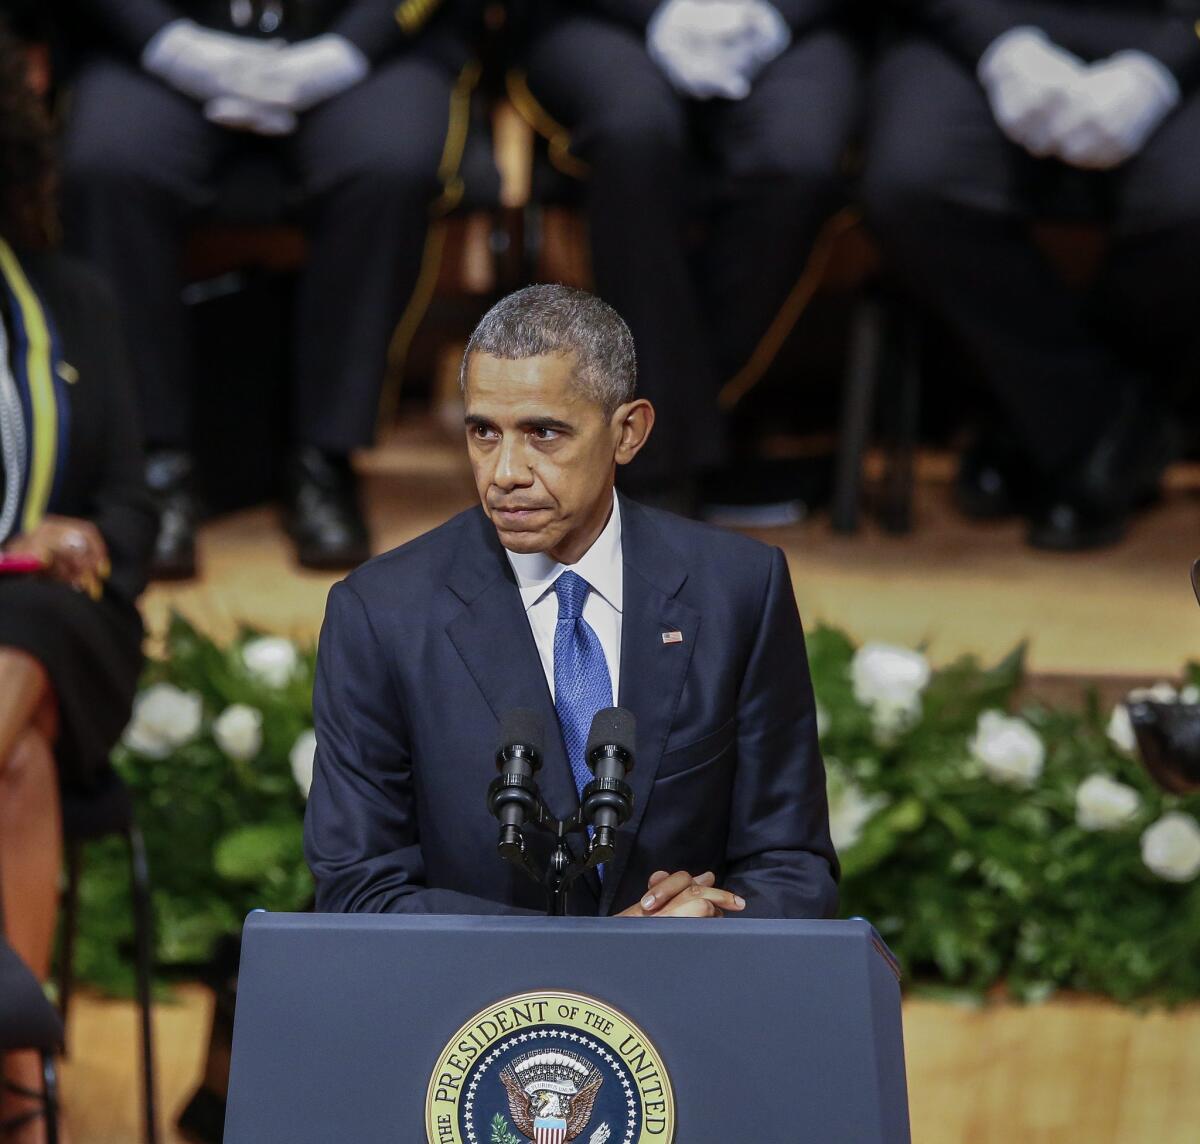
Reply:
x=941, y=188
x=1151, y=279
x=369, y=162
x=781, y=149
x=630, y=127
x=136, y=157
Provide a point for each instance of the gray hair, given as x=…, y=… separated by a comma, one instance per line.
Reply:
x=553, y=319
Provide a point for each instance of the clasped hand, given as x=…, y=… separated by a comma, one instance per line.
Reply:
x=715, y=48
x=255, y=85
x=72, y=551
x=679, y=895
x=1095, y=116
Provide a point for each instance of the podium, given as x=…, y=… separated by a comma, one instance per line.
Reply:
x=501, y=1030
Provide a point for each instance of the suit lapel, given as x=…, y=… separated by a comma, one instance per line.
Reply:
x=493, y=637
x=652, y=672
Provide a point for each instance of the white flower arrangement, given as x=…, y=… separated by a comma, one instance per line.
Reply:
x=1171, y=847
x=889, y=681
x=1102, y=803
x=1008, y=749
x=272, y=660
x=302, y=756
x=164, y=719
x=238, y=731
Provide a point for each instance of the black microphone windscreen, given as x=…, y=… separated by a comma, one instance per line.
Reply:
x=521, y=726
x=613, y=725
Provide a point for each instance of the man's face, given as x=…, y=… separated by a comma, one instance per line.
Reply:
x=543, y=454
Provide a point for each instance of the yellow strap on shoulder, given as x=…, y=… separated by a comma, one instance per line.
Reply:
x=43, y=433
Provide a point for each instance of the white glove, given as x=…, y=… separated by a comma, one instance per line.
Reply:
x=1029, y=81
x=301, y=75
x=201, y=63
x=715, y=48
x=1121, y=102
x=241, y=114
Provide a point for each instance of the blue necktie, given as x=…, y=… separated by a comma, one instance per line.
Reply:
x=582, y=685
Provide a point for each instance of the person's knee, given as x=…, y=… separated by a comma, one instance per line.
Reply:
x=639, y=137
x=109, y=167
x=29, y=763
x=898, y=189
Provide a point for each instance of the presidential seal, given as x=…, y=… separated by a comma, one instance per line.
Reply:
x=549, y=1068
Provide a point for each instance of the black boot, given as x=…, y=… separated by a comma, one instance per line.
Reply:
x=323, y=516
x=170, y=477
x=1090, y=506
x=993, y=480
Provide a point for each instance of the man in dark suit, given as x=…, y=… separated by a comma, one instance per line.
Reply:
x=559, y=596
x=355, y=100
x=989, y=115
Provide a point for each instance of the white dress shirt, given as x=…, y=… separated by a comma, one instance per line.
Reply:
x=601, y=566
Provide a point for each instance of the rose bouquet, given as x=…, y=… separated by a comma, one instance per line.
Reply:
x=987, y=847
x=1026, y=849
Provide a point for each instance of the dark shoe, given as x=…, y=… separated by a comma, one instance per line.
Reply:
x=170, y=477
x=323, y=516
x=1092, y=506
x=993, y=479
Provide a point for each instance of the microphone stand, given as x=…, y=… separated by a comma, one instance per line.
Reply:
x=564, y=867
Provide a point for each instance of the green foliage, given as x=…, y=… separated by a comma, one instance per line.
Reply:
x=502, y=1133
x=223, y=837
x=972, y=883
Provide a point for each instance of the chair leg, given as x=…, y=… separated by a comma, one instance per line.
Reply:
x=862, y=371
x=896, y=511
x=50, y=1090
x=66, y=952
x=144, y=941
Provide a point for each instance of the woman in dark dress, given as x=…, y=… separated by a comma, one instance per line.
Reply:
x=71, y=501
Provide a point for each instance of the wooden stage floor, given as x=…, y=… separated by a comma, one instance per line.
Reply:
x=1073, y=1069
x=1068, y=1071
x=952, y=585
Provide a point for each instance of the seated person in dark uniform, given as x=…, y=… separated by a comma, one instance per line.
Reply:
x=758, y=97
x=988, y=115
x=358, y=106
x=76, y=531
x=556, y=596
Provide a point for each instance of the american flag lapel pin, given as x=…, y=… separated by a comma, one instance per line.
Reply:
x=672, y=637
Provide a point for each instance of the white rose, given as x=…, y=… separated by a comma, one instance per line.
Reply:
x=1171, y=847
x=849, y=810
x=1120, y=729
x=164, y=718
x=238, y=731
x=1190, y=695
x=1102, y=803
x=301, y=756
x=1009, y=749
x=271, y=660
x=822, y=721
x=889, y=681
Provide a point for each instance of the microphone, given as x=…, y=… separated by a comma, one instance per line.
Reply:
x=512, y=795
x=607, y=801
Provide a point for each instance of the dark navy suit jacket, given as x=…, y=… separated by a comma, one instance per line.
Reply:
x=426, y=647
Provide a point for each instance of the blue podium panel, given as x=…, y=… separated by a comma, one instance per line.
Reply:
x=769, y=1032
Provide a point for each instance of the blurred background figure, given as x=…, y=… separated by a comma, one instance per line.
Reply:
x=76, y=531
x=353, y=97
x=733, y=114
x=989, y=115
